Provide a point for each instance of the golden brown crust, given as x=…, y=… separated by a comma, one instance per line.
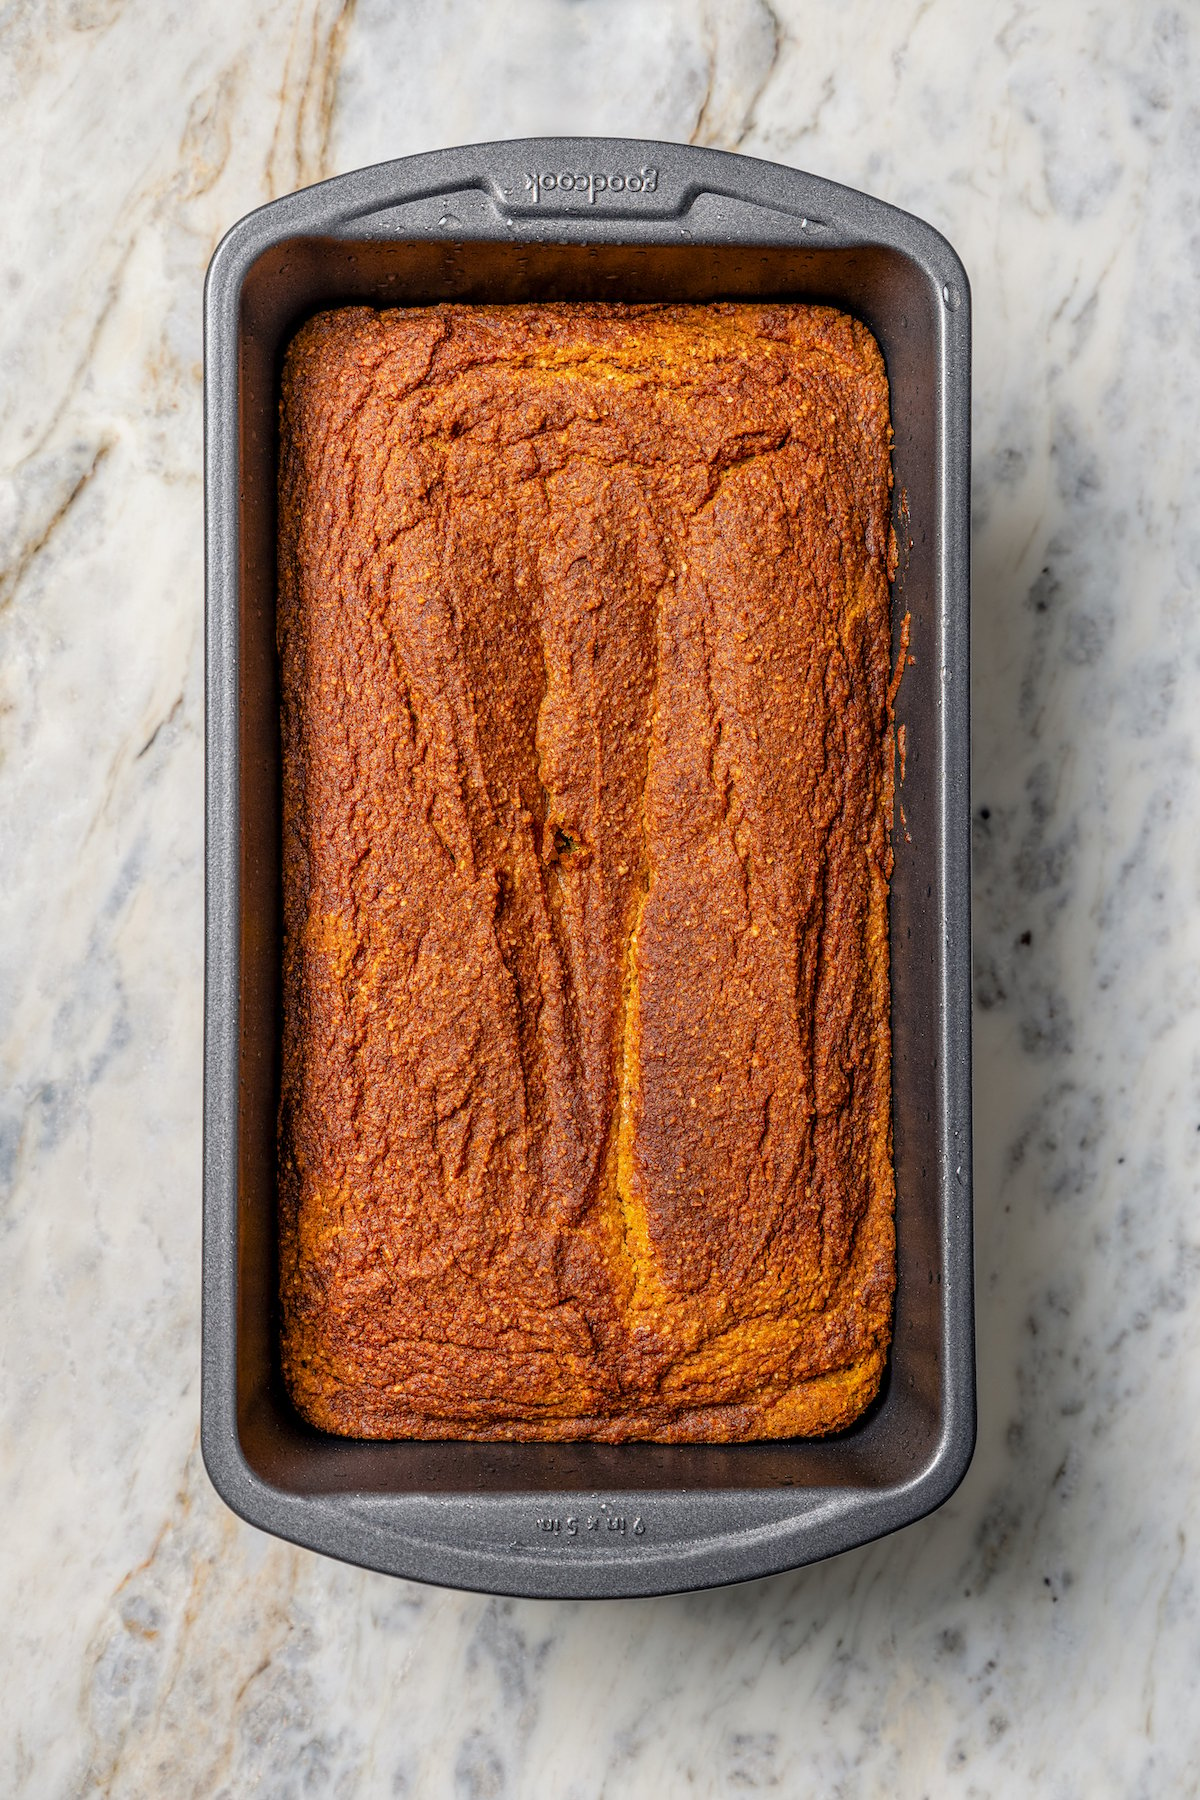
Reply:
x=585, y=1125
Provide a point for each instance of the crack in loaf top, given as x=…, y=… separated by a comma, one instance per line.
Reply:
x=584, y=627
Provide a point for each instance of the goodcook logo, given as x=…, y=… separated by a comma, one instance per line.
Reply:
x=587, y=186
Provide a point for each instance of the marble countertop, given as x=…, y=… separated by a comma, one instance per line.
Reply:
x=1042, y=1632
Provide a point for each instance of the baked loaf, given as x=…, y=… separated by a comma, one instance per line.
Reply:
x=587, y=726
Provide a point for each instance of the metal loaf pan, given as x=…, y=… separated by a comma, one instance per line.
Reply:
x=586, y=219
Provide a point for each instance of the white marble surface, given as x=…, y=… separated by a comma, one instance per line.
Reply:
x=1042, y=1633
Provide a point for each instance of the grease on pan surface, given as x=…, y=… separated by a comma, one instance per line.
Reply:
x=585, y=1126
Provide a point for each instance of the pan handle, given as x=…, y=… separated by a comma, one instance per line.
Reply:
x=590, y=189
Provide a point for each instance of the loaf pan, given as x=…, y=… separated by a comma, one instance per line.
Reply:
x=579, y=219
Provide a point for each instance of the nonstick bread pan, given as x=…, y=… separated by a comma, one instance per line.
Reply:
x=580, y=218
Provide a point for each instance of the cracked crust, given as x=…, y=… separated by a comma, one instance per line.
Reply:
x=585, y=1126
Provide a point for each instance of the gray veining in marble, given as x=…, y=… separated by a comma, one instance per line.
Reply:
x=1042, y=1633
